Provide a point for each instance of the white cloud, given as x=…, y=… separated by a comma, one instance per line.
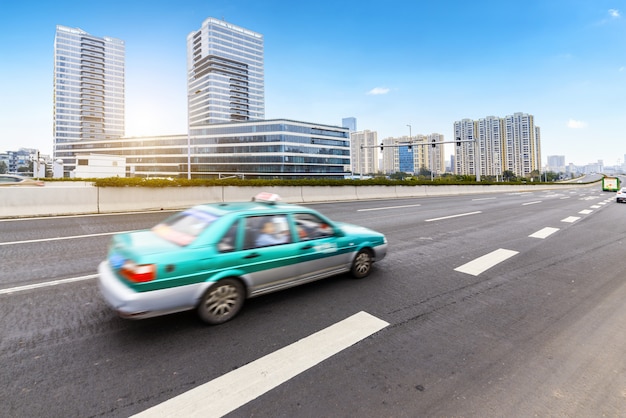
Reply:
x=378, y=90
x=614, y=13
x=576, y=124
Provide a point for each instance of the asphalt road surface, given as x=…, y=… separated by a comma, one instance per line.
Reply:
x=486, y=306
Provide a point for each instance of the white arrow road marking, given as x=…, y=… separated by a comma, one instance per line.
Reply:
x=485, y=262
x=234, y=389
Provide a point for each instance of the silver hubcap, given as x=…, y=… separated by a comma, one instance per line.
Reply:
x=222, y=300
x=362, y=263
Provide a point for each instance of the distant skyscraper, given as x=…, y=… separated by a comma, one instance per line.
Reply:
x=349, y=123
x=88, y=91
x=556, y=163
x=225, y=75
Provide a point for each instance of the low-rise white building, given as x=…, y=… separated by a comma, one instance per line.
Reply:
x=99, y=166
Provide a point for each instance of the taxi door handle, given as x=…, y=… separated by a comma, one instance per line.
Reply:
x=252, y=255
x=307, y=247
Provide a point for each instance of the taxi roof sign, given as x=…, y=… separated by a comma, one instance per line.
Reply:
x=266, y=197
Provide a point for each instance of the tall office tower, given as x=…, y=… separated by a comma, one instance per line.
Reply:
x=88, y=92
x=349, y=123
x=225, y=76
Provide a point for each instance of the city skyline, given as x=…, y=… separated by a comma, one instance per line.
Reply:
x=423, y=65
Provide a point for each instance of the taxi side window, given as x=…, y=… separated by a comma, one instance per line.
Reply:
x=264, y=231
x=228, y=241
x=312, y=227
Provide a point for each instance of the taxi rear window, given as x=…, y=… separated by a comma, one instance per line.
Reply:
x=184, y=227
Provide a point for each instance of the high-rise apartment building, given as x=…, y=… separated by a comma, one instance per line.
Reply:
x=493, y=145
x=225, y=74
x=556, y=163
x=522, y=144
x=490, y=131
x=464, y=162
x=364, y=152
x=421, y=155
x=88, y=92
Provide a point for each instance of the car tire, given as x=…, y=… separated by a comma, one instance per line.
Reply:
x=222, y=301
x=362, y=264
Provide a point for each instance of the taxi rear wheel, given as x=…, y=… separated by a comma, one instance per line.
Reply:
x=222, y=301
x=362, y=264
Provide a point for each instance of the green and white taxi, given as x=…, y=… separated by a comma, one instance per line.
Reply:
x=212, y=257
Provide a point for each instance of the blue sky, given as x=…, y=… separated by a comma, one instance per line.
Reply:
x=388, y=63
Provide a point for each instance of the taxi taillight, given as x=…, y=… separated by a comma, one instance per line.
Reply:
x=138, y=273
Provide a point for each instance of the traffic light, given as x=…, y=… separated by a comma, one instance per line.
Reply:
x=434, y=144
x=382, y=146
x=410, y=146
x=458, y=142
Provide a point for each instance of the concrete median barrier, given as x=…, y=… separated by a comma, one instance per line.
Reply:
x=47, y=201
x=75, y=199
x=123, y=199
x=328, y=193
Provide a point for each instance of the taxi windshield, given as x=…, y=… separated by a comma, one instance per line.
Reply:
x=184, y=227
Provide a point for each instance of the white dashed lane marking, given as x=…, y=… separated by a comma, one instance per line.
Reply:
x=481, y=264
x=571, y=219
x=544, y=233
x=234, y=389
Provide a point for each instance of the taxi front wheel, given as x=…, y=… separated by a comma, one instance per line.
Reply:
x=222, y=301
x=362, y=264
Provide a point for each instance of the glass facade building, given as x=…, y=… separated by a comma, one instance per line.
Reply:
x=225, y=75
x=227, y=133
x=267, y=149
x=88, y=92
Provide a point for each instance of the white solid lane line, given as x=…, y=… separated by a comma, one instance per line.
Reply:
x=485, y=262
x=30, y=241
x=234, y=389
x=544, y=233
x=452, y=216
x=531, y=203
x=388, y=207
x=46, y=284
